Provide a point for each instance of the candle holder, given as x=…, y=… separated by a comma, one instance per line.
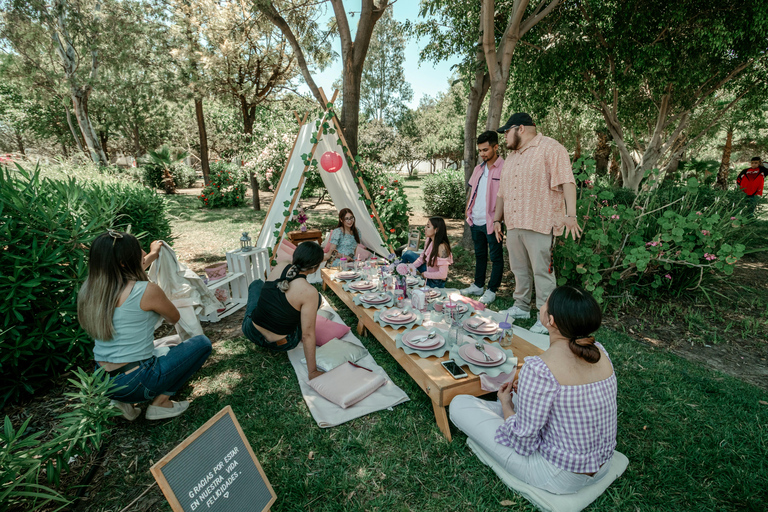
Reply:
x=245, y=243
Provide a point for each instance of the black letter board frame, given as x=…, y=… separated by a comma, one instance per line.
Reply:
x=185, y=458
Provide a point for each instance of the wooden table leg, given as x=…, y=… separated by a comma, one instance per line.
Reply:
x=442, y=420
x=325, y=286
x=360, y=328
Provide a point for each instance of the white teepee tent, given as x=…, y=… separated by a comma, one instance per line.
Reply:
x=313, y=141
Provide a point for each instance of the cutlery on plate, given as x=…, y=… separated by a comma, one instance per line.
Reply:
x=477, y=322
x=422, y=339
x=479, y=346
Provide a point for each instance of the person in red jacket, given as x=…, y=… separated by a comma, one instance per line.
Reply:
x=751, y=181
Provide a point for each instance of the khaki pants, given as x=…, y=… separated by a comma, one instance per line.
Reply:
x=529, y=257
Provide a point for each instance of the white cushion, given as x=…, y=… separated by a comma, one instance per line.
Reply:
x=546, y=501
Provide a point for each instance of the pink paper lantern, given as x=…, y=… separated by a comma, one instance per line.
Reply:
x=331, y=161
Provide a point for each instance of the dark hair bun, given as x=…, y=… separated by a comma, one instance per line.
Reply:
x=585, y=348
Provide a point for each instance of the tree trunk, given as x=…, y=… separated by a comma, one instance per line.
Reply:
x=255, y=188
x=137, y=150
x=725, y=163
x=203, y=140
x=249, y=117
x=577, y=152
x=616, y=169
x=19, y=142
x=65, y=150
x=350, y=109
x=103, y=139
x=602, y=153
x=80, y=102
x=75, y=134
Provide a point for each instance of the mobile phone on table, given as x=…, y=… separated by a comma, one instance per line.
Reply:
x=454, y=369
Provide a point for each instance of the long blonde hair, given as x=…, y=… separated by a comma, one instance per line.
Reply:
x=114, y=259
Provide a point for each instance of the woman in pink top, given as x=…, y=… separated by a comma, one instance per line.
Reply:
x=557, y=431
x=433, y=263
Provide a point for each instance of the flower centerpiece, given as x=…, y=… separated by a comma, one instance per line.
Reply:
x=401, y=271
x=302, y=218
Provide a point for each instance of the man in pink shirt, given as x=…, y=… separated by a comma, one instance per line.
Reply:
x=537, y=200
x=480, y=210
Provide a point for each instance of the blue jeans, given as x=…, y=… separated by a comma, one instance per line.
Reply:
x=410, y=257
x=163, y=375
x=483, y=242
x=252, y=333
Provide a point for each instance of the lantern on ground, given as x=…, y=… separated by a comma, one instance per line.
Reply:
x=245, y=243
x=331, y=161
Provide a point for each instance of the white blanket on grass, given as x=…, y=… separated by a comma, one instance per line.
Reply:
x=327, y=414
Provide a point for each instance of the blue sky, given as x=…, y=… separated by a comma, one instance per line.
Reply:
x=425, y=78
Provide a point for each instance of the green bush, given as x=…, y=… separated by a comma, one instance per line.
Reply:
x=25, y=458
x=47, y=226
x=393, y=209
x=671, y=239
x=444, y=193
x=226, y=188
x=183, y=175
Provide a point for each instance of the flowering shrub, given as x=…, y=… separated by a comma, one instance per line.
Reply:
x=226, y=189
x=651, y=245
x=392, y=206
x=269, y=161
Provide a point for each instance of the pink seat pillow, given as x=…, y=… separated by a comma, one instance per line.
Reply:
x=326, y=330
x=285, y=251
x=347, y=384
x=361, y=253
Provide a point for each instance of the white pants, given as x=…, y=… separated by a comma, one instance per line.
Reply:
x=479, y=419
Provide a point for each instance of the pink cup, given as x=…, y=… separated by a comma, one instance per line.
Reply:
x=439, y=307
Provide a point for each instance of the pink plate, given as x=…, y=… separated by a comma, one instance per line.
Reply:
x=470, y=354
x=436, y=342
x=347, y=275
x=486, y=328
x=375, y=298
x=362, y=285
x=400, y=319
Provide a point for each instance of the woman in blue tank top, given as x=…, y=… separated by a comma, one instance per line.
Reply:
x=281, y=312
x=119, y=307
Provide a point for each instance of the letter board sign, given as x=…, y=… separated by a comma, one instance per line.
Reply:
x=214, y=469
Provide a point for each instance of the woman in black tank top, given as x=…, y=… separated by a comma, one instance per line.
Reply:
x=271, y=321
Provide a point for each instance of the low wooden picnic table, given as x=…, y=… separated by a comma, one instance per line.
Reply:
x=427, y=372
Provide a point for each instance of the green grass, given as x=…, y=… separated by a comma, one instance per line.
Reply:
x=696, y=440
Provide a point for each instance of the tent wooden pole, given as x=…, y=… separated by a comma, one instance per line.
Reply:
x=298, y=119
x=296, y=194
x=362, y=185
x=335, y=95
x=280, y=182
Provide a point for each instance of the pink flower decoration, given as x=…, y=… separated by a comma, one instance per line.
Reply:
x=402, y=269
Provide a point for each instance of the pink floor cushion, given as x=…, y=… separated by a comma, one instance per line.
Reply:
x=326, y=330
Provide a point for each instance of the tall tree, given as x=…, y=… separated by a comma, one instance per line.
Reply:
x=68, y=42
x=629, y=59
x=353, y=53
x=383, y=89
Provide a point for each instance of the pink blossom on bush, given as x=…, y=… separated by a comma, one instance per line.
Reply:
x=705, y=232
x=733, y=218
x=709, y=257
x=698, y=213
x=615, y=217
x=668, y=276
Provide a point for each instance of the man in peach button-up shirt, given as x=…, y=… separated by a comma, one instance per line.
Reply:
x=537, y=201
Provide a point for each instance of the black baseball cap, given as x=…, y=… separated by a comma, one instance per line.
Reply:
x=517, y=119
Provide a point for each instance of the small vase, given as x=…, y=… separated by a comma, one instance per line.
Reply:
x=402, y=285
x=303, y=228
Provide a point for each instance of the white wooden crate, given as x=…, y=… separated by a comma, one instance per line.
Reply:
x=253, y=264
x=237, y=289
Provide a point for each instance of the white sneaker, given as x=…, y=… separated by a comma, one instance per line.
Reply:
x=129, y=411
x=155, y=412
x=472, y=290
x=488, y=297
x=537, y=328
x=516, y=312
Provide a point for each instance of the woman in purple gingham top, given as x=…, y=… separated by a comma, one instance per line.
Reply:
x=558, y=431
